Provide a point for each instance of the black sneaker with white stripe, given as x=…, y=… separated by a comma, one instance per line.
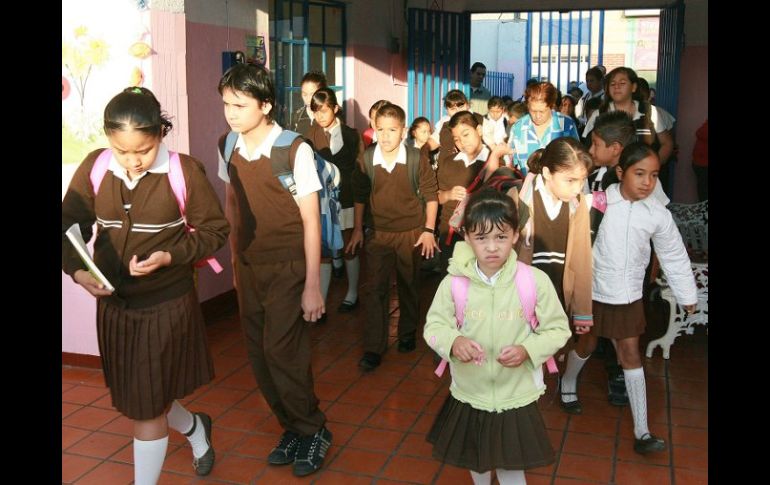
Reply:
x=285, y=451
x=311, y=452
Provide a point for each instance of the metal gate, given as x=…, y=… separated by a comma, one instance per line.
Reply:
x=439, y=59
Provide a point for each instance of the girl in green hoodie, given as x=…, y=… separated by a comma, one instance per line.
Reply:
x=490, y=420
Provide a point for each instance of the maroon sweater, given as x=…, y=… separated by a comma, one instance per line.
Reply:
x=152, y=224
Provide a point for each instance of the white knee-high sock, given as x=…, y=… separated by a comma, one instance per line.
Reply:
x=179, y=419
x=637, y=397
x=511, y=477
x=481, y=478
x=352, y=267
x=182, y=420
x=569, y=379
x=326, y=278
x=148, y=460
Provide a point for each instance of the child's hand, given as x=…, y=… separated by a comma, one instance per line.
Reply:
x=512, y=355
x=457, y=193
x=467, y=350
x=429, y=244
x=91, y=285
x=356, y=239
x=312, y=304
x=155, y=261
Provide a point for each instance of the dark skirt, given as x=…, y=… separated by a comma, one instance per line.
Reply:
x=152, y=356
x=618, y=321
x=466, y=437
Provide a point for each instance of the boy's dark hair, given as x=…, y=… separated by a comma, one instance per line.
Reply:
x=314, y=77
x=595, y=73
x=615, y=127
x=634, y=153
x=507, y=99
x=488, y=208
x=377, y=105
x=462, y=118
x=477, y=65
x=495, y=102
x=138, y=109
x=324, y=96
x=517, y=109
x=563, y=154
x=391, y=111
x=251, y=79
x=417, y=122
x=455, y=98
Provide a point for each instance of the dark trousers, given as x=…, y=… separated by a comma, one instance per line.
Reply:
x=702, y=180
x=278, y=341
x=384, y=252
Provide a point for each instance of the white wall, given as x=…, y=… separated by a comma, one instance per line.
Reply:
x=501, y=46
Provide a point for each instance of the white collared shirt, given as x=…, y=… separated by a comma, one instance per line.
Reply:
x=335, y=142
x=379, y=159
x=488, y=280
x=305, y=176
x=483, y=155
x=552, y=204
x=160, y=165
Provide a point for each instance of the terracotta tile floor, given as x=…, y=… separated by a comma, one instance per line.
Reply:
x=380, y=420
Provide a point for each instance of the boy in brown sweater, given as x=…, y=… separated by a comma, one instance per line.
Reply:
x=394, y=180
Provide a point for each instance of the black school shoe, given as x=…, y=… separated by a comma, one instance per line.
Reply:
x=649, y=443
x=311, y=452
x=204, y=464
x=573, y=407
x=407, y=345
x=346, y=306
x=370, y=361
x=286, y=449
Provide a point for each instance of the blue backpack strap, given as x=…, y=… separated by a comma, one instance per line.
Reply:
x=230, y=141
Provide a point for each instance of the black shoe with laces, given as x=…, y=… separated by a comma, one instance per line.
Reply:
x=204, y=464
x=285, y=451
x=649, y=443
x=311, y=452
x=407, y=345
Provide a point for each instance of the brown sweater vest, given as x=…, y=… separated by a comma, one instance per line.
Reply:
x=551, y=236
x=450, y=173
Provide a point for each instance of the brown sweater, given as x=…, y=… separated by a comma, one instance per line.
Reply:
x=140, y=231
x=451, y=173
x=393, y=204
x=352, y=151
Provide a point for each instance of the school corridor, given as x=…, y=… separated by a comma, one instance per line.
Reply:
x=379, y=420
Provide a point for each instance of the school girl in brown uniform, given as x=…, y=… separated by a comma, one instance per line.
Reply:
x=342, y=146
x=401, y=234
x=276, y=247
x=151, y=333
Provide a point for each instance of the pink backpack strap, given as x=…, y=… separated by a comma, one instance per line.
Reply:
x=179, y=187
x=525, y=285
x=599, y=201
x=460, y=286
x=99, y=170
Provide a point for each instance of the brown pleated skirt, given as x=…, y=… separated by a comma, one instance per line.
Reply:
x=618, y=321
x=466, y=437
x=152, y=356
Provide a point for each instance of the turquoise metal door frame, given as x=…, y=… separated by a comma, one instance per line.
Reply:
x=438, y=59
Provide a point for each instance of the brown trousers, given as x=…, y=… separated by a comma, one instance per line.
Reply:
x=278, y=341
x=384, y=251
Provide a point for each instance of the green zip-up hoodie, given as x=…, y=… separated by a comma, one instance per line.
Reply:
x=494, y=319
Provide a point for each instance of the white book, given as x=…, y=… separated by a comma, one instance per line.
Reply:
x=76, y=238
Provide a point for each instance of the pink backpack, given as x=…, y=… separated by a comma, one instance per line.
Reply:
x=178, y=186
x=525, y=285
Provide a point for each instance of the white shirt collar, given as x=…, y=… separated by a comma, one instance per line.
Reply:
x=551, y=203
x=263, y=149
x=488, y=280
x=335, y=128
x=483, y=155
x=160, y=165
x=378, y=159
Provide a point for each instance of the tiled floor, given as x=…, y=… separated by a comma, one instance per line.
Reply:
x=380, y=420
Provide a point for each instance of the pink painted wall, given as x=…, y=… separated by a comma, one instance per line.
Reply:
x=693, y=110
x=205, y=44
x=373, y=67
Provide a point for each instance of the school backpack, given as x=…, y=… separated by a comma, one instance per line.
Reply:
x=525, y=286
x=178, y=186
x=328, y=174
